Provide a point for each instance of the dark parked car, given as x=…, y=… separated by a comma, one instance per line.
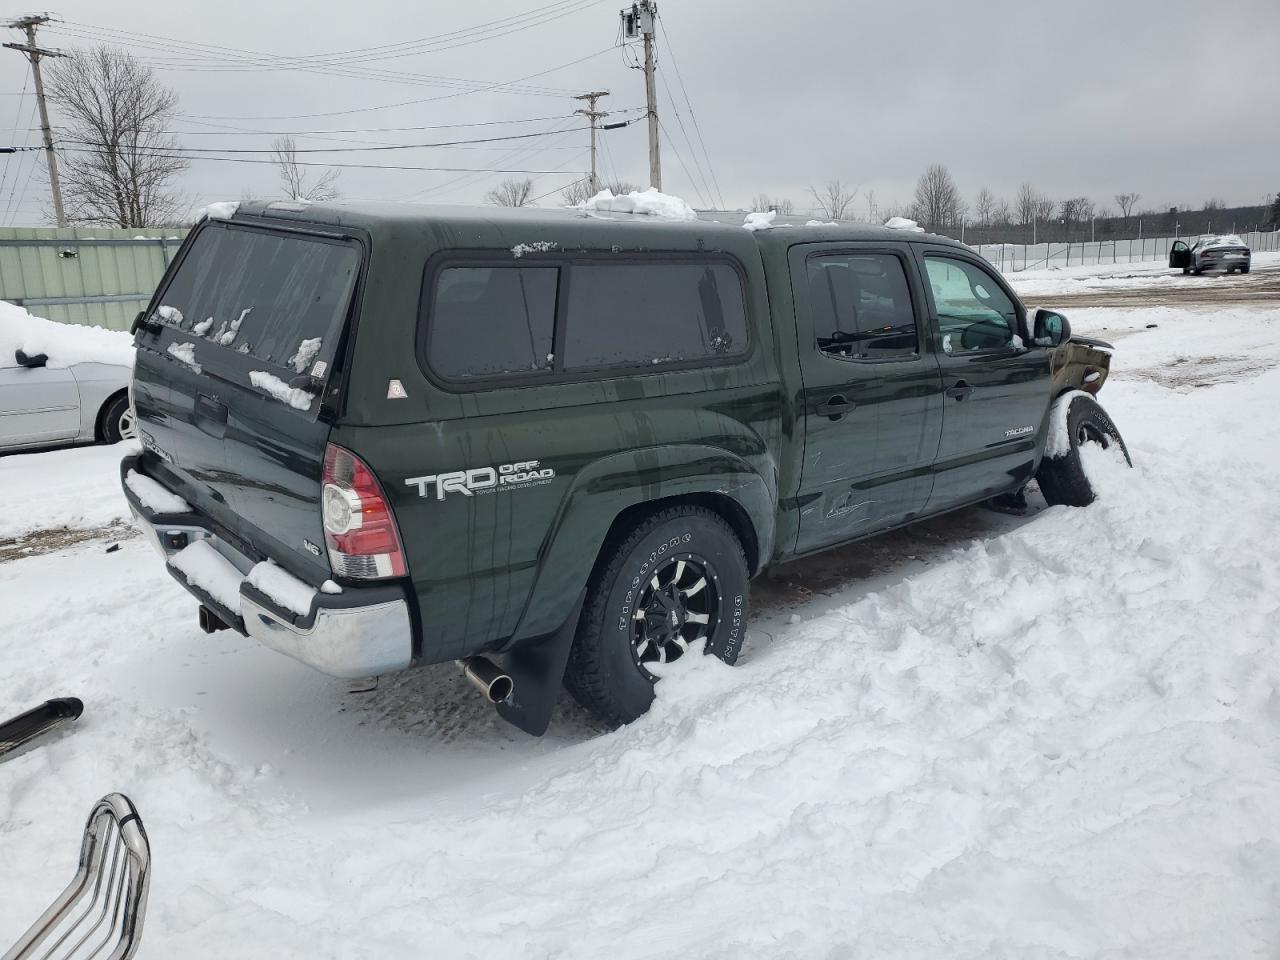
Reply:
x=1210, y=253
x=557, y=445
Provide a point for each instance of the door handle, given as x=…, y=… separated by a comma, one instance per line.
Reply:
x=835, y=408
x=959, y=390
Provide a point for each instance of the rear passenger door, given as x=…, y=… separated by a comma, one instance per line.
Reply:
x=996, y=389
x=871, y=400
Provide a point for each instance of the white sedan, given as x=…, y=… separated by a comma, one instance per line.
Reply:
x=43, y=405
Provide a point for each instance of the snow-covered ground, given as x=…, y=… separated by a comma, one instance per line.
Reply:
x=1113, y=276
x=1060, y=738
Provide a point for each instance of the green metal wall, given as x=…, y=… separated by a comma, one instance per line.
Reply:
x=86, y=275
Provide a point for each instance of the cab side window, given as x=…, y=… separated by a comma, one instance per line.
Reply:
x=862, y=306
x=974, y=313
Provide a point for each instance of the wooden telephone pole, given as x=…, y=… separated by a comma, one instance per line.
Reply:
x=35, y=53
x=639, y=21
x=592, y=114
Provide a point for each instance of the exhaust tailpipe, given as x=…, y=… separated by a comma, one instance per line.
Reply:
x=487, y=677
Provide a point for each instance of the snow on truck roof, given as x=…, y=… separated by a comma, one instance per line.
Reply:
x=646, y=209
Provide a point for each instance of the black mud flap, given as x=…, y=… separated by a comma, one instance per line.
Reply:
x=536, y=669
x=30, y=729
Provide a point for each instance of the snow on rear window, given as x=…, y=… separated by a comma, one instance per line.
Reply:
x=268, y=290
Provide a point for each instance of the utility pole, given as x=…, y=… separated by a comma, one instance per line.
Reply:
x=592, y=114
x=639, y=21
x=34, y=53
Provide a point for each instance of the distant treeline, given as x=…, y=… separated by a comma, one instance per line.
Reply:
x=1149, y=223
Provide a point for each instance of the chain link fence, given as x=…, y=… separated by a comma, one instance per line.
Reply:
x=1016, y=257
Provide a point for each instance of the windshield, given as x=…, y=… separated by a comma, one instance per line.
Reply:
x=279, y=298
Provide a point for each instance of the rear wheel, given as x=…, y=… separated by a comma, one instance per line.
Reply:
x=1244, y=269
x=676, y=581
x=117, y=420
x=1062, y=478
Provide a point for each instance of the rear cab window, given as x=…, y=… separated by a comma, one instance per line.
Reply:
x=567, y=319
x=259, y=306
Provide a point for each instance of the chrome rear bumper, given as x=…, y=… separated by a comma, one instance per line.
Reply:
x=360, y=632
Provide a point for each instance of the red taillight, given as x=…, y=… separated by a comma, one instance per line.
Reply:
x=358, y=526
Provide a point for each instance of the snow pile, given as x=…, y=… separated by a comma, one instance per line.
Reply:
x=651, y=202
x=269, y=383
x=184, y=353
x=153, y=496
x=201, y=328
x=902, y=223
x=282, y=587
x=206, y=568
x=822, y=223
x=1058, y=441
x=759, y=221
x=1228, y=240
x=537, y=246
x=222, y=210
x=228, y=332
x=307, y=351
x=65, y=343
x=170, y=315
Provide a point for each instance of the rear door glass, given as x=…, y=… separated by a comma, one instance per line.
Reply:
x=280, y=298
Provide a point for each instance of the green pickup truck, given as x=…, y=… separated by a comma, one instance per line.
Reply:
x=556, y=445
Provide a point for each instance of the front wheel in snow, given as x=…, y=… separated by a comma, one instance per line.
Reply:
x=1076, y=420
x=673, y=584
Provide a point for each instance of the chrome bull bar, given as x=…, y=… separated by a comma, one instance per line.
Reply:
x=99, y=915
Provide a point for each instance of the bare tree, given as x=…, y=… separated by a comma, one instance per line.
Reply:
x=1002, y=215
x=834, y=199
x=1025, y=202
x=511, y=193
x=984, y=207
x=1215, y=203
x=1044, y=207
x=937, y=199
x=620, y=187
x=763, y=203
x=1076, y=210
x=1126, y=202
x=118, y=161
x=294, y=176
x=577, y=192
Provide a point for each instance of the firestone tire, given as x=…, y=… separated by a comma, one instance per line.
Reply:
x=1062, y=479
x=679, y=573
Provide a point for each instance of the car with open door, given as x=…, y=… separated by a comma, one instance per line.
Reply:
x=1227, y=253
x=44, y=403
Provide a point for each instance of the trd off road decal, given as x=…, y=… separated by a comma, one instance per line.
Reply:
x=482, y=480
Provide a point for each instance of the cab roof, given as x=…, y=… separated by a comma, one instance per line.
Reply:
x=509, y=226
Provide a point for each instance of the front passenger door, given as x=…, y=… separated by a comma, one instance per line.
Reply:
x=997, y=390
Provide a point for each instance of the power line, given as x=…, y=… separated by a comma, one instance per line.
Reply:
x=365, y=149
x=672, y=144
x=693, y=151
x=666, y=40
x=310, y=163
x=17, y=117
x=404, y=103
x=432, y=44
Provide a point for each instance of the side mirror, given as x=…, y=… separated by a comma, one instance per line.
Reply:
x=30, y=361
x=1050, y=329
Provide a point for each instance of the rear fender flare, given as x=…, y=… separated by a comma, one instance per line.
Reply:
x=606, y=488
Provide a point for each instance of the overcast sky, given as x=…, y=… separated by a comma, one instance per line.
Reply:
x=1169, y=99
